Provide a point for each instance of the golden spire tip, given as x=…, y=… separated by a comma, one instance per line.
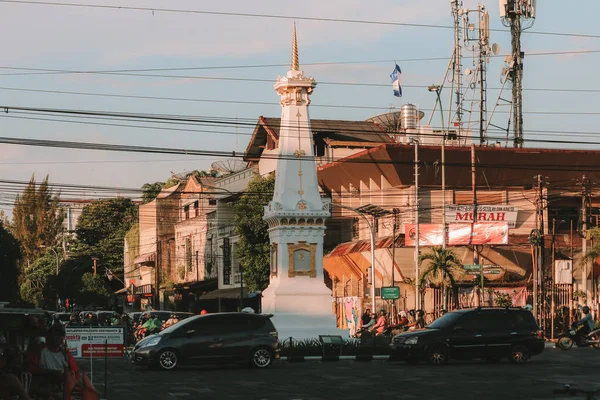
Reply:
x=295, y=63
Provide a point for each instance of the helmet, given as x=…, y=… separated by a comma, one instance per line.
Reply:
x=248, y=310
x=585, y=309
x=173, y=316
x=402, y=314
x=420, y=313
x=383, y=312
x=203, y=312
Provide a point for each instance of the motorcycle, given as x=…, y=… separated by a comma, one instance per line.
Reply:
x=570, y=337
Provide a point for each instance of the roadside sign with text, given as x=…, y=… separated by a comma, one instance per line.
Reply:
x=390, y=293
x=485, y=213
x=95, y=342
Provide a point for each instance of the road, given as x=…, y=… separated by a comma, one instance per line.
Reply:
x=378, y=379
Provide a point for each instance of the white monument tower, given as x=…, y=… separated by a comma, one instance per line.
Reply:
x=297, y=295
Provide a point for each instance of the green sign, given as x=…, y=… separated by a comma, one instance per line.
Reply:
x=470, y=267
x=494, y=271
x=390, y=293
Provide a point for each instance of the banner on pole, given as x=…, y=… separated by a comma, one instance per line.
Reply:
x=96, y=342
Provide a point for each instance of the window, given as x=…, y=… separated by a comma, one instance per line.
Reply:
x=196, y=208
x=274, y=259
x=355, y=228
x=188, y=254
x=186, y=212
x=319, y=146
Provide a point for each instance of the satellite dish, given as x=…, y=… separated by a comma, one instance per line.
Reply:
x=495, y=49
x=229, y=166
x=468, y=72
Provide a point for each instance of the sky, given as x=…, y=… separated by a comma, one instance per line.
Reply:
x=247, y=54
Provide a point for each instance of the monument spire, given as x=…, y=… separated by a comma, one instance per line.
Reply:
x=295, y=63
x=297, y=295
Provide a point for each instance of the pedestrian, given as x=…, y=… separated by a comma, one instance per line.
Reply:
x=366, y=317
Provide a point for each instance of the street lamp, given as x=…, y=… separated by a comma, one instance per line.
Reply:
x=437, y=89
x=55, y=253
x=375, y=212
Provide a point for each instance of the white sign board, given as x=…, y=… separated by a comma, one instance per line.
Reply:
x=563, y=271
x=86, y=342
x=485, y=213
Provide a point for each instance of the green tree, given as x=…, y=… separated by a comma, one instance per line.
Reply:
x=9, y=265
x=93, y=290
x=253, y=243
x=37, y=219
x=39, y=282
x=101, y=229
x=150, y=191
x=443, y=267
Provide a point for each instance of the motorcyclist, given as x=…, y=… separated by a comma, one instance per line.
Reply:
x=382, y=323
x=171, y=321
x=152, y=326
x=585, y=325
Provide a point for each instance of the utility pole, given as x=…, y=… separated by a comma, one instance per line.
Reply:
x=475, y=250
x=457, y=71
x=157, y=268
x=95, y=265
x=585, y=202
x=417, y=237
x=540, y=299
x=553, y=272
x=519, y=15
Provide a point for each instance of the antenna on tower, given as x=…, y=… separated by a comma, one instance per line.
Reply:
x=519, y=15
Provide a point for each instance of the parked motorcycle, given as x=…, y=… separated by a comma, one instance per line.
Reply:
x=570, y=337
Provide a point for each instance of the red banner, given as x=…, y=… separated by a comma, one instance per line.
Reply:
x=429, y=234
x=484, y=233
x=98, y=350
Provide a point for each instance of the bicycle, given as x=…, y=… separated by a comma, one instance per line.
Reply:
x=567, y=389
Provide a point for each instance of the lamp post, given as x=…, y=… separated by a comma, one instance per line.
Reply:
x=55, y=253
x=363, y=211
x=437, y=89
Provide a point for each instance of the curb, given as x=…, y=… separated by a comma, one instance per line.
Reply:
x=361, y=358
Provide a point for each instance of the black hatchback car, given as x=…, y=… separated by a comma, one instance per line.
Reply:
x=489, y=333
x=212, y=338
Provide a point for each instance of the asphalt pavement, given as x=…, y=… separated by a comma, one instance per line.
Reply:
x=345, y=379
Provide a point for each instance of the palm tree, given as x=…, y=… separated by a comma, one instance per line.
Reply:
x=443, y=268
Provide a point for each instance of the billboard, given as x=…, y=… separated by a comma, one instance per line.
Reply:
x=95, y=342
x=484, y=233
x=429, y=234
x=485, y=213
x=458, y=234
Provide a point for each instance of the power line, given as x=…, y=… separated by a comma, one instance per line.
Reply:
x=49, y=71
x=274, y=16
x=218, y=101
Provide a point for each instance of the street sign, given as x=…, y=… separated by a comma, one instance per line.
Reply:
x=390, y=293
x=470, y=267
x=493, y=271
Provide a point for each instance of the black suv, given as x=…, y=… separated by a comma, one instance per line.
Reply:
x=489, y=333
x=212, y=338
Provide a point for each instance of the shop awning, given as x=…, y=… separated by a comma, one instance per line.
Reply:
x=146, y=258
x=233, y=293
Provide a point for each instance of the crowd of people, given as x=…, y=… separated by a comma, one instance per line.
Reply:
x=45, y=370
x=382, y=324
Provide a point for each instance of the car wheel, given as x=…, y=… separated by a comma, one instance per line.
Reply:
x=261, y=357
x=564, y=343
x=519, y=354
x=437, y=355
x=167, y=359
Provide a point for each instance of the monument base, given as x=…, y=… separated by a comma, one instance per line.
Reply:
x=303, y=311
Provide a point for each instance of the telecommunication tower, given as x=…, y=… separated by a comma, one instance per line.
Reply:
x=519, y=15
x=468, y=97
